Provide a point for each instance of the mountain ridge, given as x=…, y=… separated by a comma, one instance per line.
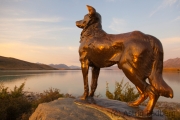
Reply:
x=64, y=66
x=9, y=63
x=172, y=65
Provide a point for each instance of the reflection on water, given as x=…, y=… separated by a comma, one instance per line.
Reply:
x=173, y=80
x=172, y=77
x=70, y=81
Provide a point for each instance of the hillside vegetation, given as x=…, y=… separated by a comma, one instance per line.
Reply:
x=7, y=63
x=17, y=105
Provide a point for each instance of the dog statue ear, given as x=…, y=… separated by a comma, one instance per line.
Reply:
x=91, y=10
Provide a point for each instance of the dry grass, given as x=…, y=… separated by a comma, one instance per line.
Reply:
x=170, y=109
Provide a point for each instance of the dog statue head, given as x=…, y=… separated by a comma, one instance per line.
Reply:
x=90, y=18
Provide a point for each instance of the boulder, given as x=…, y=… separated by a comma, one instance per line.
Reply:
x=66, y=109
x=91, y=109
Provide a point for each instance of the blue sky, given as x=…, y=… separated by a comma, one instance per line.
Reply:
x=44, y=30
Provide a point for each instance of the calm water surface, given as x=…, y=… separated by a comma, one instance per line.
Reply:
x=70, y=81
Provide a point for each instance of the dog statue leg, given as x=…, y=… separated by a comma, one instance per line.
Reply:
x=143, y=97
x=153, y=97
x=85, y=68
x=95, y=75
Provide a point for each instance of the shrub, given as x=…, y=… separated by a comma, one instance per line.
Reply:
x=174, y=114
x=124, y=93
x=47, y=96
x=14, y=105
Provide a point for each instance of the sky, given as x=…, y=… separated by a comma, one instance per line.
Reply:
x=44, y=31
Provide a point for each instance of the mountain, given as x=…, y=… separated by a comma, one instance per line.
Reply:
x=114, y=67
x=74, y=67
x=64, y=66
x=8, y=63
x=172, y=64
x=59, y=66
x=169, y=65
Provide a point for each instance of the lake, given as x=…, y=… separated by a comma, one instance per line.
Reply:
x=70, y=81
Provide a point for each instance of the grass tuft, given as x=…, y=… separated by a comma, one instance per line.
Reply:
x=122, y=92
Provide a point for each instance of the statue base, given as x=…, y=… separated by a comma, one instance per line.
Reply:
x=118, y=110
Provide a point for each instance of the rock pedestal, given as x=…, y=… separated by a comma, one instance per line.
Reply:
x=90, y=109
x=66, y=109
x=118, y=110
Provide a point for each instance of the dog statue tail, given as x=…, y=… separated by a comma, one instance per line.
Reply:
x=155, y=78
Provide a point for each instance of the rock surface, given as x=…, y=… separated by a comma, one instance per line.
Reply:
x=90, y=109
x=66, y=109
x=118, y=110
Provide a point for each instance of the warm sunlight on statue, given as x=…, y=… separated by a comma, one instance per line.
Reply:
x=139, y=55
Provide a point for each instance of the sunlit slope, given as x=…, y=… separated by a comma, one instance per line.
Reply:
x=8, y=63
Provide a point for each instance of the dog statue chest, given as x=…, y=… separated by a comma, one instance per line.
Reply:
x=100, y=52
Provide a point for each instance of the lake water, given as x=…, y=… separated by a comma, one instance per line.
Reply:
x=70, y=81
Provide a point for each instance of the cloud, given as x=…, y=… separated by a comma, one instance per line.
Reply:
x=171, y=47
x=176, y=49
x=4, y=47
x=21, y=28
x=19, y=46
x=22, y=47
x=72, y=48
x=171, y=41
x=51, y=19
x=164, y=4
x=111, y=0
x=177, y=19
x=43, y=54
x=117, y=25
x=4, y=11
x=19, y=0
x=13, y=30
x=169, y=2
x=40, y=19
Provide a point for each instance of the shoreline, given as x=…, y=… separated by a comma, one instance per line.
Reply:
x=159, y=104
x=21, y=70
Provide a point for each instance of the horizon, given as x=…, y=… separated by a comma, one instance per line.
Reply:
x=45, y=32
x=72, y=64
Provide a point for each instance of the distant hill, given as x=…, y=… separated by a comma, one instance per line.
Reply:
x=74, y=67
x=169, y=65
x=64, y=67
x=59, y=66
x=8, y=63
x=172, y=65
x=115, y=67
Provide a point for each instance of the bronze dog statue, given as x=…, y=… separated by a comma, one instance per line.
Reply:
x=139, y=55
